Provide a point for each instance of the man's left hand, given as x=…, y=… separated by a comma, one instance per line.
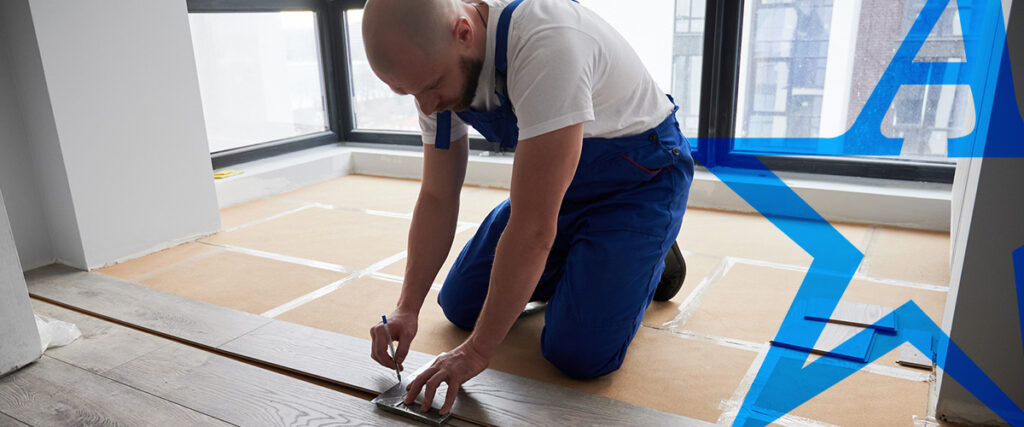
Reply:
x=454, y=368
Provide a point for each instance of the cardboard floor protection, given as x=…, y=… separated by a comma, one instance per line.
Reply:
x=351, y=239
x=240, y=281
x=255, y=210
x=357, y=306
x=661, y=371
x=748, y=303
x=361, y=192
x=698, y=268
x=866, y=399
x=911, y=255
x=750, y=236
x=133, y=269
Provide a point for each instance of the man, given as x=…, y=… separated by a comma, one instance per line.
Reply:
x=599, y=183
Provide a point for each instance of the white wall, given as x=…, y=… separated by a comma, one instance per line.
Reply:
x=42, y=173
x=19, y=339
x=15, y=165
x=110, y=102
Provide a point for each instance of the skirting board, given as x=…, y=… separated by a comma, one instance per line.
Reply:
x=492, y=397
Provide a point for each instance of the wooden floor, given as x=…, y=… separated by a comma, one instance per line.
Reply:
x=114, y=375
x=197, y=377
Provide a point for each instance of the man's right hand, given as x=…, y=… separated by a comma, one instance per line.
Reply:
x=403, y=329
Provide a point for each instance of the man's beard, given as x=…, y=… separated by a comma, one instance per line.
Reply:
x=471, y=69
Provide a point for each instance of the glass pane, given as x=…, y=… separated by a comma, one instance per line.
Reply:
x=687, y=60
x=259, y=75
x=648, y=30
x=375, y=106
x=807, y=69
x=647, y=27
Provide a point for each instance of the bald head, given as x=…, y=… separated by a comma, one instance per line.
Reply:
x=395, y=28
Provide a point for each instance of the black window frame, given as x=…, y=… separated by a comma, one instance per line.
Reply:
x=723, y=33
x=723, y=27
x=333, y=46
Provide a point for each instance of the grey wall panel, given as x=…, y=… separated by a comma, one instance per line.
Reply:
x=48, y=173
x=19, y=339
x=124, y=89
x=24, y=203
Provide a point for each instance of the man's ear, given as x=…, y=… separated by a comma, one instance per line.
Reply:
x=462, y=33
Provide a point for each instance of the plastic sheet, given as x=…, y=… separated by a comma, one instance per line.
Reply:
x=56, y=333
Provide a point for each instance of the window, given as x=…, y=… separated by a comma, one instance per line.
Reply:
x=377, y=108
x=374, y=105
x=807, y=68
x=687, y=62
x=289, y=74
x=259, y=75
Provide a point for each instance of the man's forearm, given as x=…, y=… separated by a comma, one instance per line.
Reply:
x=518, y=264
x=430, y=238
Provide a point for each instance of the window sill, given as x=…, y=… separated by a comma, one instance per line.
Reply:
x=836, y=198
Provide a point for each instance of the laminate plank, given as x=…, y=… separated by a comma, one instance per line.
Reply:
x=851, y=313
x=243, y=394
x=322, y=354
x=7, y=421
x=53, y=393
x=492, y=397
x=103, y=340
x=103, y=345
x=831, y=337
x=195, y=321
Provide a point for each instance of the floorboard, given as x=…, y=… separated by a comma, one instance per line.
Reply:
x=244, y=394
x=103, y=345
x=195, y=321
x=851, y=313
x=203, y=381
x=51, y=392
x=490, y=398
x=6, y=421
x=326, y=355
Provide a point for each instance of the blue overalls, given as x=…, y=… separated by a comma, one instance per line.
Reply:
x=618, y=219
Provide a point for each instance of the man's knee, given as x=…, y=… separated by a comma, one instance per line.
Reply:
x=583, y=355
x=457, y=309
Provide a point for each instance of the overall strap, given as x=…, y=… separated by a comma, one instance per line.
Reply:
x=501, y=42
x=443, y=137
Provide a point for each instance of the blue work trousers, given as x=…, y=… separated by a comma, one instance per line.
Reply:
x=617, y=221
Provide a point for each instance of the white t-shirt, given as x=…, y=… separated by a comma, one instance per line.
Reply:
x=566, y=65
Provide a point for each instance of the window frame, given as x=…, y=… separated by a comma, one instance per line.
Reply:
x=723, y=27
x=332, y=46
x=723, y=33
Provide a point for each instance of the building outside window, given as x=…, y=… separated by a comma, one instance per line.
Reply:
x=807, y=69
